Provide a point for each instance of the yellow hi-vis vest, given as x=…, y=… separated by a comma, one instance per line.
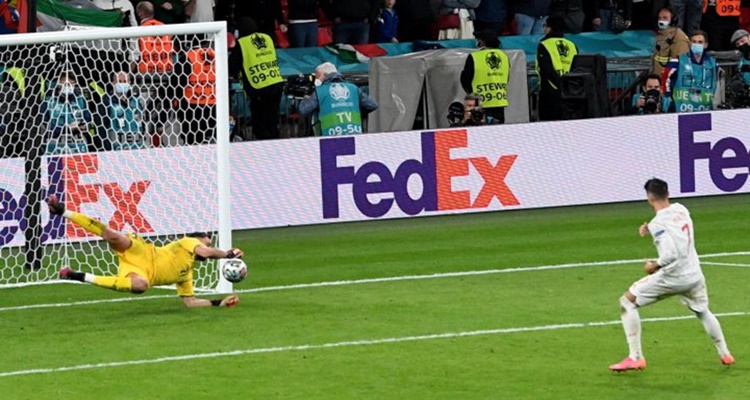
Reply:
x=259, y=60
x=491, y=72
x=561, y=52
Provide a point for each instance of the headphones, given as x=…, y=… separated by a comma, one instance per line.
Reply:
x=673, y=19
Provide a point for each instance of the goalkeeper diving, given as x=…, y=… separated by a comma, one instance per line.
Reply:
x=143, y=265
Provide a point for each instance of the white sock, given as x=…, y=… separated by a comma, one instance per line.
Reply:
x=631, y=323
x=713, y=328
x=88, y=278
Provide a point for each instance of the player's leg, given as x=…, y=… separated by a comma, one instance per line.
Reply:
x=641, y=293
x=129, y=280
x=117, y=241
x=697, y=301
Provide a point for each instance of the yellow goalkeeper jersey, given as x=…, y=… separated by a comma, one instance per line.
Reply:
x=164, y=265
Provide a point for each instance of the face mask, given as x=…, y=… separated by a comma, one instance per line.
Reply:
x=122, y=88
x=67, y=89
x=745, y=49
x=663, y=25
x=231, y=125
x=318, y=82
x=479, y=44
x=696, y=48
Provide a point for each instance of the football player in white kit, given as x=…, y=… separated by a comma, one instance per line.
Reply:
x=677, y=272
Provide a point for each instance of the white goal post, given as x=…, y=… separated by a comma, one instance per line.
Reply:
x=85, y=116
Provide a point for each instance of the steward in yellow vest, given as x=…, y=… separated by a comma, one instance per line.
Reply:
x=554, y=57
x=254, y=59
x=486, y=75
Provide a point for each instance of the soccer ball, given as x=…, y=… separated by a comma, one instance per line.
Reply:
x=234, y=270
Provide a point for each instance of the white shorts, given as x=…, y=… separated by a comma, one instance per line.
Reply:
x=653, y=288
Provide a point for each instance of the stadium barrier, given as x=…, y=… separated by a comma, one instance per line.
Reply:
x=421, y=173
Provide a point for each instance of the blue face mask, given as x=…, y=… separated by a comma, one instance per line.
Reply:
x=696, y=48
x=122, y=88
x=67, y=89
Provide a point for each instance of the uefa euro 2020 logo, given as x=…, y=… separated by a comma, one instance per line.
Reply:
x=493, y=61
x=339, y=92
x=259, y=42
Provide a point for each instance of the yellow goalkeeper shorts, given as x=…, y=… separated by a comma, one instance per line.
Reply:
x=138, y=259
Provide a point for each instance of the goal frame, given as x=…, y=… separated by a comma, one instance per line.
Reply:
x=219, y=32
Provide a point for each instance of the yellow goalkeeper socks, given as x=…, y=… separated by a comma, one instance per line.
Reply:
x=113, y=282
x=84, y=221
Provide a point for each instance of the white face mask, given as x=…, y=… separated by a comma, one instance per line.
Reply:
x=122, y=87
x=318, y=82
x=67, y=89
x=663, y=25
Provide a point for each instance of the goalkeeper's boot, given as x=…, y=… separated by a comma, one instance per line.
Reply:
x=727, y=360
x=55, y=206
x=628, y=364
x=69, y=274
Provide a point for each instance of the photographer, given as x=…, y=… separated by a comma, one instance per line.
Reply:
x=738, y=89
x=650, y=101
x=337, y=106
x=468, y=114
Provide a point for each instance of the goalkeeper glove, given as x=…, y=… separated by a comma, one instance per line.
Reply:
x=235, y=253
x=229, y=301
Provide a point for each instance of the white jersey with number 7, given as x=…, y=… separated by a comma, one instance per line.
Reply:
x=672, y=230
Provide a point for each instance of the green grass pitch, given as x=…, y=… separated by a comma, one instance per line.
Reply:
x=541, y=333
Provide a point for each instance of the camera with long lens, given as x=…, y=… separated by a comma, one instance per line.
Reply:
x=652, y=101
x=456, y=112
x=300, y=85
x=737, y=95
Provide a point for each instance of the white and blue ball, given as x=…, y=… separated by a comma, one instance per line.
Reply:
x=234, y=270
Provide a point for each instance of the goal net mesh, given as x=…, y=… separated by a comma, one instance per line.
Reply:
x=122, y=130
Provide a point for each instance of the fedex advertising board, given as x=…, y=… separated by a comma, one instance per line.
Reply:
x=392, y=175
x=151, y=192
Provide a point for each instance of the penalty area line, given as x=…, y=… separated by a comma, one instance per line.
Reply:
x=353, y=343
x=362, y=281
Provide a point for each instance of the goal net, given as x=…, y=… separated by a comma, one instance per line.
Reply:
x=126, y=125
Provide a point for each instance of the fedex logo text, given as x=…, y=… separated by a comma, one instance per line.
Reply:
x=65, y=181
x=435, y=170
x=726, y=153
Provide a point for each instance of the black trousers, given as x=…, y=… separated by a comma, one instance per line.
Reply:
x=264, y=110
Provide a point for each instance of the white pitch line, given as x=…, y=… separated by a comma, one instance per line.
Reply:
x=725, y=264
x=364, y=281
x=304, y=347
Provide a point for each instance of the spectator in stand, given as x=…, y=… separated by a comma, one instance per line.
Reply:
x=119, y=117
x=195, y=75
x=531, y=15
x=416, y=18
x=671, y=41
x=265, y=13
x=486, y=74
x=692, y=78
x=490, y=14
x=554, y=57
x=607, y=11
x=720, y=23
x=199, y=10
x=456, y=19
x=67, y=117
x=255, y=58
x=386, y=27
x=303, y=23
x=688, y=13
x=124, y=6
x=352, y=20
x=644, y=13
x=169, y=11
x=571, y=11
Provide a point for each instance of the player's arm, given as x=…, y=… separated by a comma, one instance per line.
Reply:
x=212, y=252
x=665, y=245
x=193, y=302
